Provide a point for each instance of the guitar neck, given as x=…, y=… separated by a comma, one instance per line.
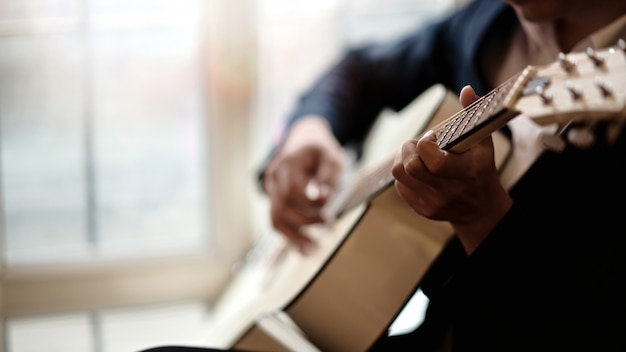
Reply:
x=479, y=119
x=456, y=133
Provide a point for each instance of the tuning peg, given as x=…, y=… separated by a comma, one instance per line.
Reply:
x=581, y=137
x=546, y=98
x=605, y=88
x=597, y=59
x=565, y=62
x=575, y=91
x=555, y=141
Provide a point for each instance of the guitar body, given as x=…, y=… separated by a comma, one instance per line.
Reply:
x=368, y=280
x=361, y=288
x=371, y=260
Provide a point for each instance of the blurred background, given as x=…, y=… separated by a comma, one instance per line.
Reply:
x=130, y=135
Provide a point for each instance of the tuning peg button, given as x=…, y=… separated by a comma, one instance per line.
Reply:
x=546, y=98
x=565, y=62
x=597, y=59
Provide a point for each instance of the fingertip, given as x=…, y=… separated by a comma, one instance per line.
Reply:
x=312, y=190
x=467, y=95
x=429, y=135
x=325, y=191
x=306, y=247
x=467, y=89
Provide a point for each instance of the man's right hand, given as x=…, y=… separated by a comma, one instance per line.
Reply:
x=301, y=178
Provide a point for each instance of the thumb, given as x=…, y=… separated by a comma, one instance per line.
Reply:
x=467, y=96
x=328, y=174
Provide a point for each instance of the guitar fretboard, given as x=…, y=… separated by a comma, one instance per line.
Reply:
x=468, y=121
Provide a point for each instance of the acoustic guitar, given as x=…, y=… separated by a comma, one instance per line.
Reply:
x=371, y=259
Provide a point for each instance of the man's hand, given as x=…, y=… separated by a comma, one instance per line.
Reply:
x=302, y=177
x=461, y=188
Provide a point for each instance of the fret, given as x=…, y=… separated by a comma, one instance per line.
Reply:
x=472, y=118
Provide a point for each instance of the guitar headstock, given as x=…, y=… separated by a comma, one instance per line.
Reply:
x=578, y=89
x=576, y=92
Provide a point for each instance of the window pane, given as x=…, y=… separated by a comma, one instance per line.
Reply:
x=112, y=330
x=38, y=9
x=103, y=133
x=67, y=333
x=148, y=144
x=42, y=102
x=135, y=329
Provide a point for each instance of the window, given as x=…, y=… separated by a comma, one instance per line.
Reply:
x=103, y=129
x=130, y=131
x=110, y=330
x=108, y=166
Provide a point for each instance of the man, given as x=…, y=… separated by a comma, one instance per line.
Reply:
x=537, y=259
x=536, y=262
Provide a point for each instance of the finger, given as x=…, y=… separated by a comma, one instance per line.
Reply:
x=328, y=175
x=288, y=209
x=405, y=155
x=302, y=242
x=289, y=221
x=467, y=96
x=292, y=184
x=408, y=167
x=421, y=199
x=292, y=211
x=434, y=162
x=445, y=166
